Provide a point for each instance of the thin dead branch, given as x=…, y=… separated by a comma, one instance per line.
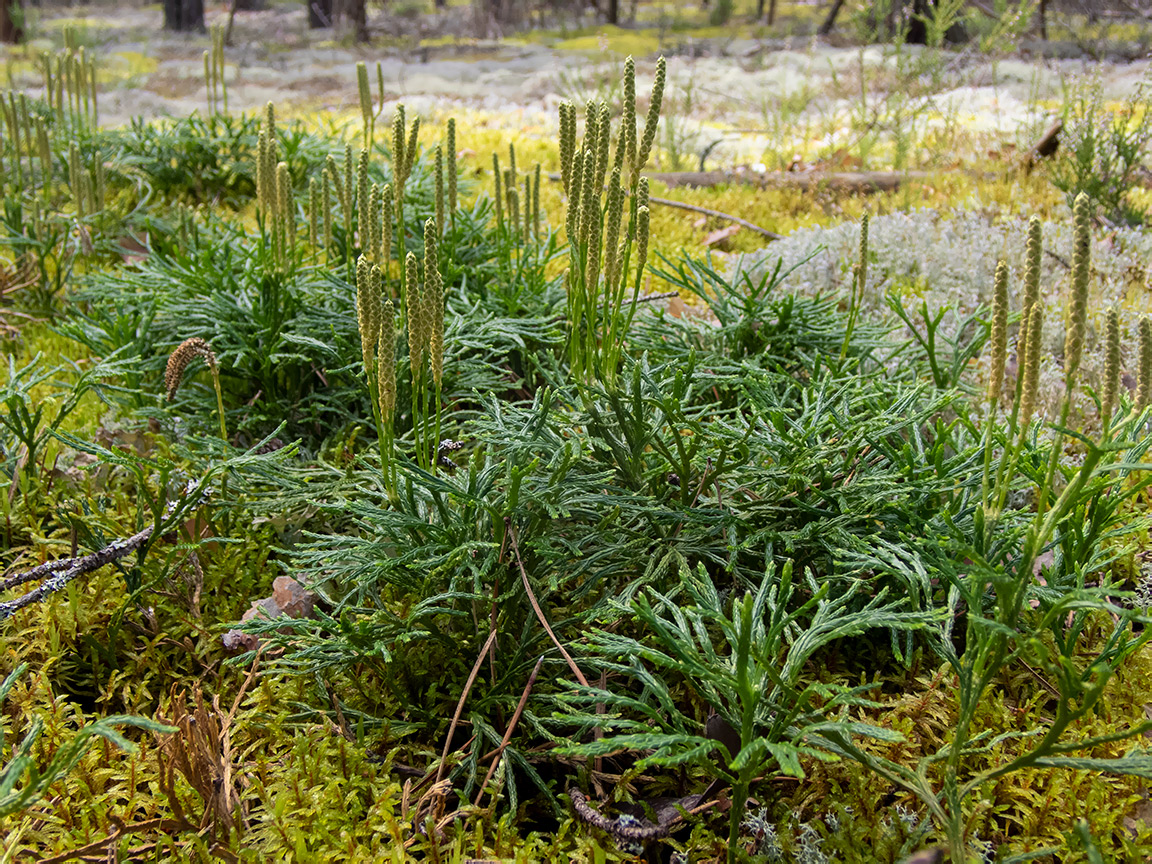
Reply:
x=511, y=531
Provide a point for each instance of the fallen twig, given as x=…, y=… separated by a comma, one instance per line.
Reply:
x=643, y=833
x=460, y=705
x=498, y=753
x=707, y=211
x=511, y=531
x=60, y=573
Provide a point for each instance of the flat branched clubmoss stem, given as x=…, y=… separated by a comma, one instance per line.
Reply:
x=1144, y=382
x=999, y=335
x=451, y=172
x=1078, y=306
x=439, y=185
x=1032, y=258
x=651, y=121
x=1031, y=380
x=1110, y=386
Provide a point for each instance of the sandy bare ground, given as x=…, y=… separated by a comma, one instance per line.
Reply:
x=800, y=96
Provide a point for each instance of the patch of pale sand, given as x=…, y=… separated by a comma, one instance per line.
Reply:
x=275, y=58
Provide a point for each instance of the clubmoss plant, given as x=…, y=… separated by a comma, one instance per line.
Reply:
x=1016, y=621
x=602, y=299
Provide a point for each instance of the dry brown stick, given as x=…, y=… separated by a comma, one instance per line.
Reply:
x=498, y=753
x=680, y=205
x=168, y=826
x=511, y=531
x=460, y=705
x=587, y=813
x=707, y=211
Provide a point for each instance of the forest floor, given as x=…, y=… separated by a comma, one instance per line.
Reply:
x=790, y=399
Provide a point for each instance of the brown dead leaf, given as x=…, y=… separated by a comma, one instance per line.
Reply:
x=720, y=237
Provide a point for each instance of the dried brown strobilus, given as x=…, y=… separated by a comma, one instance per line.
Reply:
x=178, y=361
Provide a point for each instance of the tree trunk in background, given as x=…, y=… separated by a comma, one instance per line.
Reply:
x=1043, y=12
x=10, y=14
x=771, y=12
x=917, y=25
x=358, y=11
x=830, y=21
x=319, y=13
x=184, y=15
x=612, y=11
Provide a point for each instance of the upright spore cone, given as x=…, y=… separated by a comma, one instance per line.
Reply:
x=416, y=337
x=999, y=334
x=398, y=146
x=386, y=364
x=178, y=361
x=1110, y=386
x=1031, y=382
x=439, y=185
x=567, y=144
x=862, y=254
x=651, y=121
x=368, y=311
x=365, y=95
x=1144, y=382
x=1032, y=256
x=451, y=172
x=1078, y=305
x=434, y=300
x=630, y=111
